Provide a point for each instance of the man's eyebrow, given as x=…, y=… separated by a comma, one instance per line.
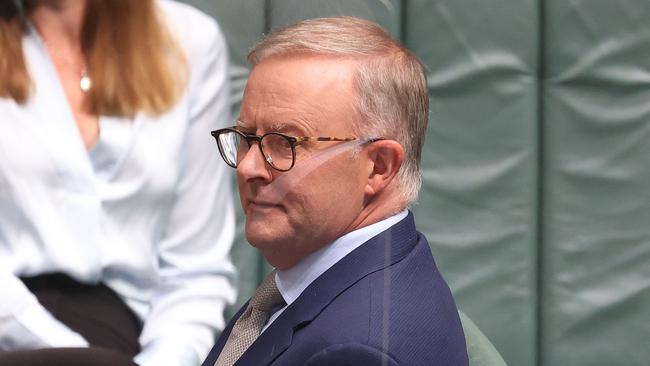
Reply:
x=279, y=126
x=285, y=127
x=241, y=124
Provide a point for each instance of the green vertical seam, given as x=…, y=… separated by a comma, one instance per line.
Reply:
x=267, y=17
x=403, y=31
x=541, y=165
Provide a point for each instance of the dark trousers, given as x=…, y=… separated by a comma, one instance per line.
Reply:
x=95, y=312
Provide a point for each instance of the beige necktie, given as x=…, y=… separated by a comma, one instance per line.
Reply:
x=250, y=323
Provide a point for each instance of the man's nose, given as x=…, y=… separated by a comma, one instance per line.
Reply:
x=253, y=166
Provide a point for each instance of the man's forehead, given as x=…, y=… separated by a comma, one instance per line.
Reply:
x=304, y=94
x=280, y=66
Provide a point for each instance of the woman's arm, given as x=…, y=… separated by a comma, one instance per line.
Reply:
x=196, y=276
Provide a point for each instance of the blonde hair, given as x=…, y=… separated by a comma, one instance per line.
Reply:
x=133, y=61
x=390, y=82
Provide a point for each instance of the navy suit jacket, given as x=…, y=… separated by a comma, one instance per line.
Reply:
x=385, y=303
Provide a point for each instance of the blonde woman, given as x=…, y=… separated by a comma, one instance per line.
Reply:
x=115, y=214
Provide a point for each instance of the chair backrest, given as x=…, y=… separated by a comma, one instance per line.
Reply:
x=480, y=350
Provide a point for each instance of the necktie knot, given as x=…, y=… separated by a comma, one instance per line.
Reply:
x=267, y=296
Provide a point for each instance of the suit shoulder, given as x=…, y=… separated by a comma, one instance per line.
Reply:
x=404, y=310
x=413, y=310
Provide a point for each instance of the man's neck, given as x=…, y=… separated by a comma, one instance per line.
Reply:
x=387, y=204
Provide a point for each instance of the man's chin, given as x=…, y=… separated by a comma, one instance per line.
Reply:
x=277, y=250
x=263, y=233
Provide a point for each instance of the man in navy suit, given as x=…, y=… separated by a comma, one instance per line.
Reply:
x=327, y=151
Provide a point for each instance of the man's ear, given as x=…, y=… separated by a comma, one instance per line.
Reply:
x=386, y=157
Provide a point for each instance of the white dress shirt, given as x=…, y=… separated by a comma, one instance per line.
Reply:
x=148, y=210
x=293, y=281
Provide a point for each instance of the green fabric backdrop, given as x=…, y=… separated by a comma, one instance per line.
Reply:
x=536, y=195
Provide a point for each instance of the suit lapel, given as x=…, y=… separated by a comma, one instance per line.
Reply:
x=379, y=252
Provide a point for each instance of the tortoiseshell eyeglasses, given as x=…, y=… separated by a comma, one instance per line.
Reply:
x=278, y=149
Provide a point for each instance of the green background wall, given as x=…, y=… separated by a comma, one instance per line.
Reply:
x=536, y=195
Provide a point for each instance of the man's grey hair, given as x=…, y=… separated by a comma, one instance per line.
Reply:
x=390, y=82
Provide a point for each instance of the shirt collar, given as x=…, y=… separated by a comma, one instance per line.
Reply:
x=293, y=281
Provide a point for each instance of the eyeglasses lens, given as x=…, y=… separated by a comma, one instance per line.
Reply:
x=232, y=144
x=277, y=151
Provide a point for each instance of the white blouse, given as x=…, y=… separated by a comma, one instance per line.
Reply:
x=148, y=210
